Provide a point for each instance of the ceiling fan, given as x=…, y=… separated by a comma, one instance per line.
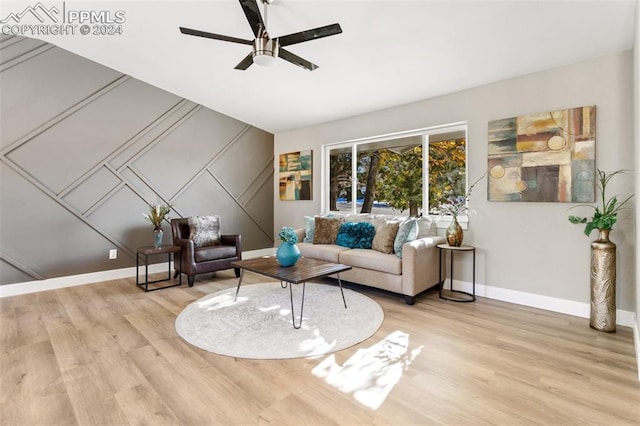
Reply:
x=266, y=49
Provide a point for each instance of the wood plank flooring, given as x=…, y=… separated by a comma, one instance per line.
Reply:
x=108, y=354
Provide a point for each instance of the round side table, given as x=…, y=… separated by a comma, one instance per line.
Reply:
x=463, y=295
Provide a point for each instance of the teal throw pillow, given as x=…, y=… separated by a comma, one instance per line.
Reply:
x=356, y=235
x=309, y=229
x=408, y=231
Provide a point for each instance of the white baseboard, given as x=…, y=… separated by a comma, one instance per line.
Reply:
x=579, y=309
x=569, y=307
x=97, y=277
x=636, y=341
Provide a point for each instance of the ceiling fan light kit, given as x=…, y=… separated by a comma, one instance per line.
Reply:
x=266, y=49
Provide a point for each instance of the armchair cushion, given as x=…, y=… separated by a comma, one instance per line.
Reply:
x=204, y=254
x=204, y=230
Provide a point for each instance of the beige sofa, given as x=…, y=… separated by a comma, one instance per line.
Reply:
x=409, y=275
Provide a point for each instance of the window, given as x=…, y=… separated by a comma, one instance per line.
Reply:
x=386, y=174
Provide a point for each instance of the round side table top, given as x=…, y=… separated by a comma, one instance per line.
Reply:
x=460, y=248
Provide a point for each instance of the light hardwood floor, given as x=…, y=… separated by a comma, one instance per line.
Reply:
x=108, y=354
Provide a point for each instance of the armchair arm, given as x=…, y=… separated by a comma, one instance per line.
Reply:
x=420, y=268
x=233, y=240
x=187, y=259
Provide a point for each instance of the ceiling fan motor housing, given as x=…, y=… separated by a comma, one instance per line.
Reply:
x=265, y=50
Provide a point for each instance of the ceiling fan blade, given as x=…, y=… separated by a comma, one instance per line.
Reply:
x=251, y=11
x=296, y=60
x=198, y=33
x=316, y=33
x=245, y=63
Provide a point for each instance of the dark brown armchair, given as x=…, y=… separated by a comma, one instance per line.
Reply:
x=199, y=260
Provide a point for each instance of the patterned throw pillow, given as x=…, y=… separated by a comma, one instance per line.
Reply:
x=204, y=230
x=356, y=235
x=386, y=231
x=408, y=231
x=326, y=230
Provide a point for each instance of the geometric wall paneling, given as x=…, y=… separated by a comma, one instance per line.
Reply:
x=14, y=274
x=254, y=206
x=91, y=190
x=191, y=145
x=548, y=156
x=78, y=171
x=40, y=233
x=120, y=215
x=137, y=146
x=253, y=141
x=25, y=107
x=90, y=135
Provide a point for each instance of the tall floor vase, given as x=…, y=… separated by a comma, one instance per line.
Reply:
x=603, y=283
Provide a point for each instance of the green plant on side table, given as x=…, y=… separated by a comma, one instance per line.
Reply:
x=603, y=255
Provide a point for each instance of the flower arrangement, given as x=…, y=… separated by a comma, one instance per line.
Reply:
x=605, y=216
x=457, y=206
x=288, y=235
x=157, y=214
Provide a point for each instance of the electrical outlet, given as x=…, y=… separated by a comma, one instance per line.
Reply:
x=113, y=254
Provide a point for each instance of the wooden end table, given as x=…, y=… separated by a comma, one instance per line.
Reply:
x=147, y=251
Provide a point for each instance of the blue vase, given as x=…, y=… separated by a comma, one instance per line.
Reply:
x=288, y=254
x=157, y=237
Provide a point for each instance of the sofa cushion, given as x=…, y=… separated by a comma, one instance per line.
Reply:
x=326, y=230
x=386, y=231
x=372, y=259
x=356, y=235
x=326, y=252
x=426, y=227
x=204, y=230
x=408, y=231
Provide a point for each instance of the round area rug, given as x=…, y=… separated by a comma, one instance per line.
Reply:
x=258, y=324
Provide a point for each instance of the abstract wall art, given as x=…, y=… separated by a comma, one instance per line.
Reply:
x=548, y=156
x=296, y=175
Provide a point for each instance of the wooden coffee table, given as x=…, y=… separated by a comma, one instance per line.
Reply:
x=304, y=270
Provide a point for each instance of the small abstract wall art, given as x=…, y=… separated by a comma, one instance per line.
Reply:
x=296, y=175
x=548, y=156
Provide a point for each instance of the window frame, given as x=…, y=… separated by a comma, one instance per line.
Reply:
x=427, y=134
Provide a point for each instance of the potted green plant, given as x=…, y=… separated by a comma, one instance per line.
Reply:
x=157, y=214
x=603, y=254
x=606, y=215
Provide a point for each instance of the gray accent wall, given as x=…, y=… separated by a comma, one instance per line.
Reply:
x=85, y=149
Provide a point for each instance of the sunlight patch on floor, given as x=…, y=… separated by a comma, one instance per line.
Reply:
x=371, y=373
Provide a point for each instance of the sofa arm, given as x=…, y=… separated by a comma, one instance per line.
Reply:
x=301, y=233
x=420, y=269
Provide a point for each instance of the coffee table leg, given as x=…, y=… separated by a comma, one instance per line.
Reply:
x=342, y=291
x=239, y=283
x=293, y=316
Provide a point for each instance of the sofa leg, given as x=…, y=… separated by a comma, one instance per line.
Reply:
x=176, y=273
x=191, y=279
x=237, y=271
x=409, y=300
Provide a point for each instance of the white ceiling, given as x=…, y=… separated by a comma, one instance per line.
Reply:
x=390, y=52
